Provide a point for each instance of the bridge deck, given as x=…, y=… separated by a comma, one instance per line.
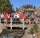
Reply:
x=19, y=25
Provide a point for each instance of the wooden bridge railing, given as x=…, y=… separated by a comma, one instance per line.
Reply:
x=21, y=20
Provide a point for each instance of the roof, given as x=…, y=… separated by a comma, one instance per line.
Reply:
x=38, y=10
x=30, y=9
x=21, y=9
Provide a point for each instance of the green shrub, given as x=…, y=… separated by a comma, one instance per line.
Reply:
x=34, y=29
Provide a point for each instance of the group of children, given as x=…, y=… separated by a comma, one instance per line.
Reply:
x=7, y=16
x=16, y=15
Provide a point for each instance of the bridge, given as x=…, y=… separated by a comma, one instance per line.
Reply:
x=23, y=25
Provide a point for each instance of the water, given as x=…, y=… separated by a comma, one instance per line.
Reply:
x=8, y=36
x=12, y=33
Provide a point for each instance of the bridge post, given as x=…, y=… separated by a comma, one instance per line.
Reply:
x=0, y=20
x=29, y=22
x=11, y=24
x=23, y=23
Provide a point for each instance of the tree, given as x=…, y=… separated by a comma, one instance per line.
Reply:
x=34, y=29
x=28, y=6
x=34, y=7
x=17, y=9
x=5, y=5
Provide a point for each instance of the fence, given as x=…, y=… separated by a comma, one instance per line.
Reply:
x=22, y=21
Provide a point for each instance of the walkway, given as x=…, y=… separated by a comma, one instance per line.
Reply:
x=26, y=35
x=2, y=27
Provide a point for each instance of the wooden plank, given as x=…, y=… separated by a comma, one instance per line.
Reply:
x=19, y=25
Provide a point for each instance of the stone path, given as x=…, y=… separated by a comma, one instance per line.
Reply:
x=26, y=35
x=2, y=27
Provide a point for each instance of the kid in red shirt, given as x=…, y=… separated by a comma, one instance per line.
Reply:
x=5, y=17
x=22, y=15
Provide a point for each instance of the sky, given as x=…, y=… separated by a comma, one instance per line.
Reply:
x=19, y=3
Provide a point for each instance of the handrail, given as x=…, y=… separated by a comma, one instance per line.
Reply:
x=22, y=20
x=16, y=20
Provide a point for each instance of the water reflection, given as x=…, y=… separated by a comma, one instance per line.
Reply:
x=8, y=36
